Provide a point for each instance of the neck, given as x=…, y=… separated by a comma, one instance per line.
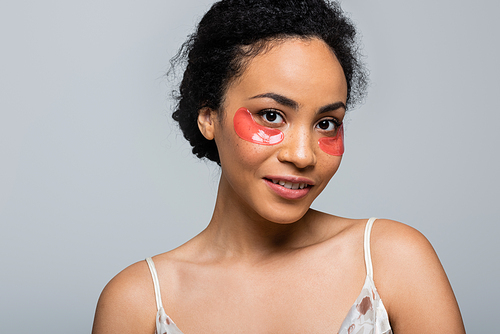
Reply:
x=235, y=230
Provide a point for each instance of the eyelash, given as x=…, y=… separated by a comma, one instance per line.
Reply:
x=265, y=112
x=335, y=122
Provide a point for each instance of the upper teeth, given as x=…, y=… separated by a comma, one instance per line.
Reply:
x=290, y=185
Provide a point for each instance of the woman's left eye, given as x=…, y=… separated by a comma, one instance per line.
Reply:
x=327, y=125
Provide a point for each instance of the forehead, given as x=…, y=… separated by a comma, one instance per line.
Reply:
x=296, y=68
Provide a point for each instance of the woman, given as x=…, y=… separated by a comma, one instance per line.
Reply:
x=264, y=94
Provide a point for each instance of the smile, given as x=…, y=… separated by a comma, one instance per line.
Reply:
x=290, y=185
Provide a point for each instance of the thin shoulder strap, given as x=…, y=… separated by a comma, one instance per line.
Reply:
x=366, y=246
x=156, y=283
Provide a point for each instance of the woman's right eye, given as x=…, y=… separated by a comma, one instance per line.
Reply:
x=271, y=116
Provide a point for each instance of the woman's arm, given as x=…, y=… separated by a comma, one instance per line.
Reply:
x=127, y=303
x=412, y=282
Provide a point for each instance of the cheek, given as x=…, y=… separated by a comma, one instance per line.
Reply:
x=247, y=129
x=333, y=145
x=328, y=167
x=240, y=154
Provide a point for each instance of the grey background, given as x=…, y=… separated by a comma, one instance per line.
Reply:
x=94, y=176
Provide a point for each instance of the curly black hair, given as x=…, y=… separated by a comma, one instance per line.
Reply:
x=234, y=31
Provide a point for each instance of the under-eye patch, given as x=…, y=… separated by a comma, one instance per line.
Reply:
x=247, y=129
x=333, y=145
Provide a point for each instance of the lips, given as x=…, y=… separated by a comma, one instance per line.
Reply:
x=289, y=187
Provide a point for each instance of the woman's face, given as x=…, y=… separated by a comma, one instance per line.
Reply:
x=298, y=89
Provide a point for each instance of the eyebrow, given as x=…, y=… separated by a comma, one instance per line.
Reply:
x=332, y=107
x=283, y=100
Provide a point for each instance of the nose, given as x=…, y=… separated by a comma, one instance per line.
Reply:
x=298, y=148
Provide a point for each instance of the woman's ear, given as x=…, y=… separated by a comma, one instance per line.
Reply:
x=206, y=120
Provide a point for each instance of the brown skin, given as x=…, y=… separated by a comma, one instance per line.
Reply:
x=266, y=264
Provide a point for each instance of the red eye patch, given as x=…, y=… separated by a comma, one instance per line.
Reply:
x=333, y=145
x=247, y=129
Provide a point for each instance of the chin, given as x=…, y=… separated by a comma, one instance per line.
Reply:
x=290, y=217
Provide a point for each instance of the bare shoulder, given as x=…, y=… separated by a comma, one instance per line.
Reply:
x=127, y=303
x=411, y=281
x=400, y=242
x=401, y=252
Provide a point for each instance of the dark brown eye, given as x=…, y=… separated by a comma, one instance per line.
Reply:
x=272, y=116
x=327, y=125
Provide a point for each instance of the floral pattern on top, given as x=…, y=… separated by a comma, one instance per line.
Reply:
x=368, y=314
x=165, y=325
